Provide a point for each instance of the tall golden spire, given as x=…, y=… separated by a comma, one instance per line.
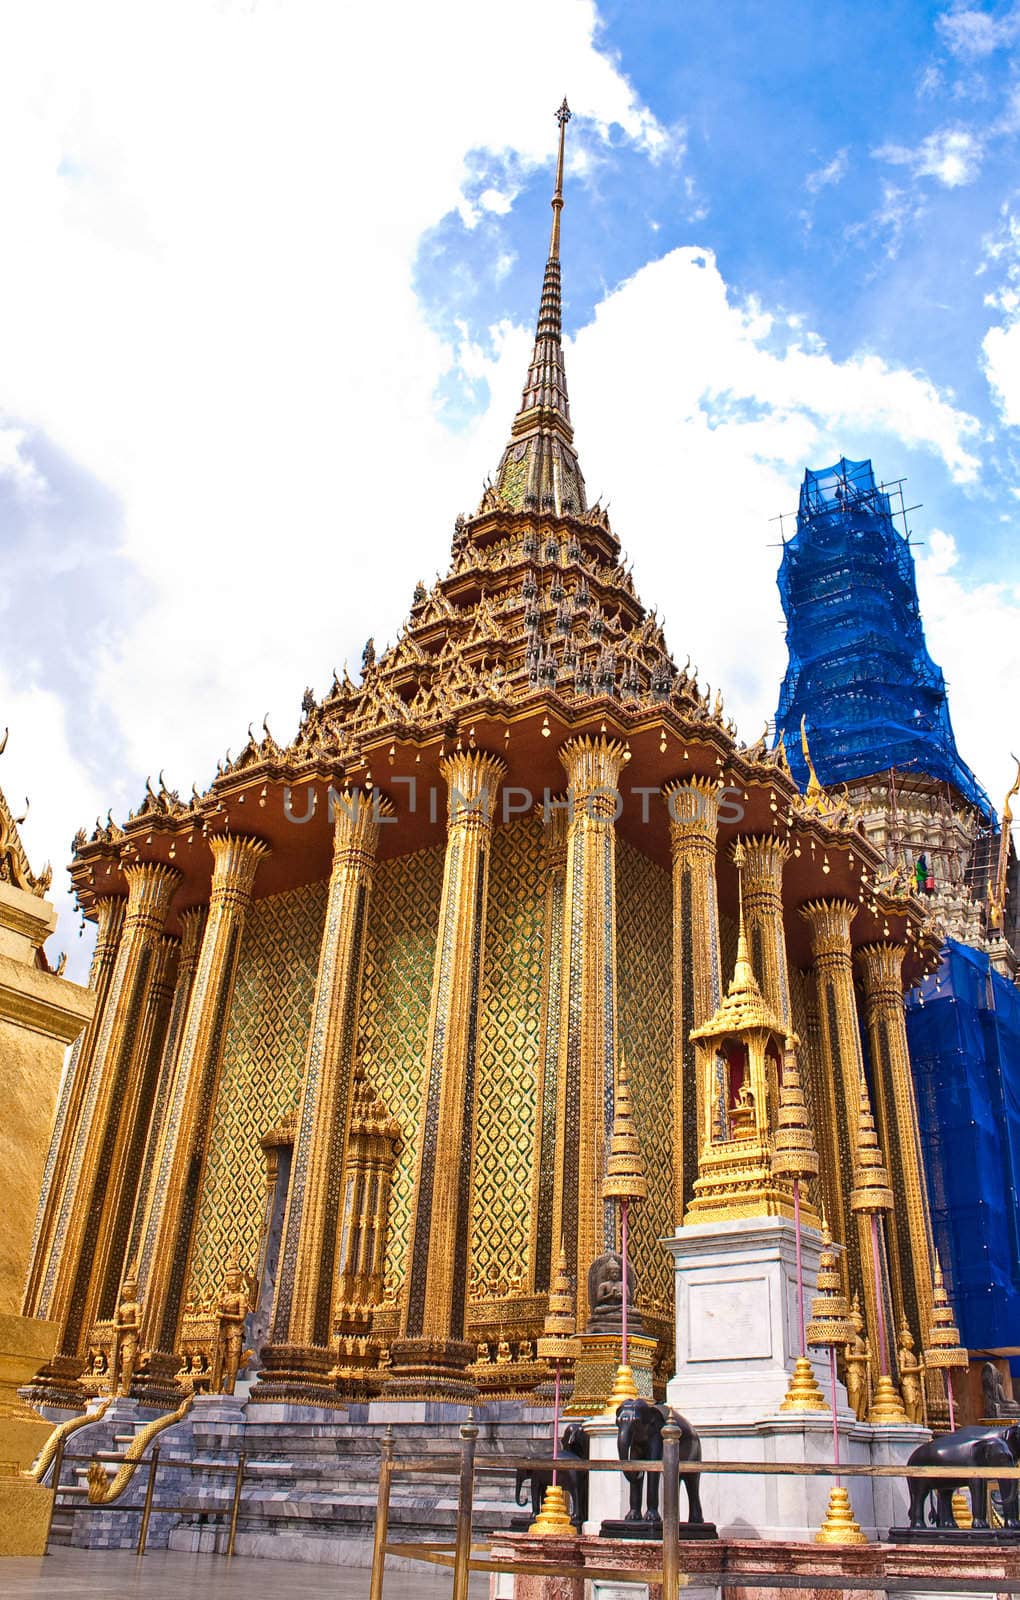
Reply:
x=539, y=469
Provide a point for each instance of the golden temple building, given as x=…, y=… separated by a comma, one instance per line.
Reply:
x=359, y=1006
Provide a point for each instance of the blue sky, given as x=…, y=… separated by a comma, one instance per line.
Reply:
x=266, y=298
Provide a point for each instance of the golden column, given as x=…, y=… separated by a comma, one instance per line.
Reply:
x=838, y=1056
x=881, y=967
x=110, y=917
x=86, y=1217
x=432, y=1353
x=127, y=1163
x=585, y=1089
x=764, y=859
x=697, y=977
x=299, y=1357
x=555, y=862
x=182, y=1154
x=842, y=1075
x=192, y=923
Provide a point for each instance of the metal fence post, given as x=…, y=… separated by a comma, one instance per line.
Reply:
x=465, y=1503
x=236, y=1506
x=670, y=1511
x=143, y=1529
x=382, y=1515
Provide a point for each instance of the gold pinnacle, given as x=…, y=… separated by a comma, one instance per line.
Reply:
x=871, y=1192
x=886, y=1407
x=793, y=1151
x=625, y=1170
x=624, y=1388
x=840, y=1525
x=831, y=1323
x=943, y=1348
x=803, y=1392
x=553, y=1520
x=556, y=1342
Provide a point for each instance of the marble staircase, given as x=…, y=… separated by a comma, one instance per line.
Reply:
x=311, y=1479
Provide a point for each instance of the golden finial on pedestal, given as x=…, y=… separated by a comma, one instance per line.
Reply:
x=944, y=1350
x=830, y=1326
x=871, y=1192
x=556, y=1346
x=794, y=1157
x=625, y=1171
x=556, y=1342
x=624, y=1181
x=872, y=1196
x=840, y=1525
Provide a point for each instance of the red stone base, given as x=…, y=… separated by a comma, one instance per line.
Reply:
x=729, y=1565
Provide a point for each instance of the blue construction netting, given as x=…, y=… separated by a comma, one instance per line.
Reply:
x=963, y=1028
x=859, y=669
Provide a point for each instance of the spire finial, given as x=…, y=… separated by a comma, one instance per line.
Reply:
x=563, y=116
x=539, y=470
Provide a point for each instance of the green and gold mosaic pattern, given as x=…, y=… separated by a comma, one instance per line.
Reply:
x=507, y=1079
x=393, y=1033
x=263, y=1063
x=644, y=1005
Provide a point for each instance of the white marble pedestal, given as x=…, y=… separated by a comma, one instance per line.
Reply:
x=737, y=1337
x=737, y=1333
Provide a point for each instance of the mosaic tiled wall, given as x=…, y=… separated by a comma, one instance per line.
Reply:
x=402, y=923
x=508, y=1058
x=805, y=1026
x=644, y=909
x=263, y=1061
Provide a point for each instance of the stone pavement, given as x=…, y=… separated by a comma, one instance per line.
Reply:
x=167, y=1575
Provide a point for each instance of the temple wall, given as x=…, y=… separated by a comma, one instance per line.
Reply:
x=393, y=1028
x=644, y=910
x=508, y=1060
x=263, y=1061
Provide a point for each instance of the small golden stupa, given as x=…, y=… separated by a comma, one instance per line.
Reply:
x=555, y=1346
x=795, y=1158
x=624, y=1182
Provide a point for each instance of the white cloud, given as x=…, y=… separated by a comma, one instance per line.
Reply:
x=1001, y=351
x=833, y=172
x=39, y=773
x=15, y=466
x=971, y=33
x=1000, y=348
x=973, y=632
x=952, y=155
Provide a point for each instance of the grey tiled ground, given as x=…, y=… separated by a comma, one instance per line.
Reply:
x=167, y=1575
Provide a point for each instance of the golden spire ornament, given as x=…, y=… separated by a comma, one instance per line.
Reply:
x=830, y=1326
x=943, y=1350
x=624, y=1182
x=556, y=1346
x=794, y=1157
x=871, y=1196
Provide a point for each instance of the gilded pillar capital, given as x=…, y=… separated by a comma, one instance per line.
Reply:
x=765, y=856
x=236, y=858
x=110, y=922
x=192, y=922
x=472, y=779
x=881, y=967
x=151, y=887
x=592, y=765
x=693, y=806
x=829, y=921
x=554, y=833
x=357, y=817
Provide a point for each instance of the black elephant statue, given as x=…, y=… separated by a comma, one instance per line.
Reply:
x=959, y=1452
x=639, y=1427
x=574, y=1446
